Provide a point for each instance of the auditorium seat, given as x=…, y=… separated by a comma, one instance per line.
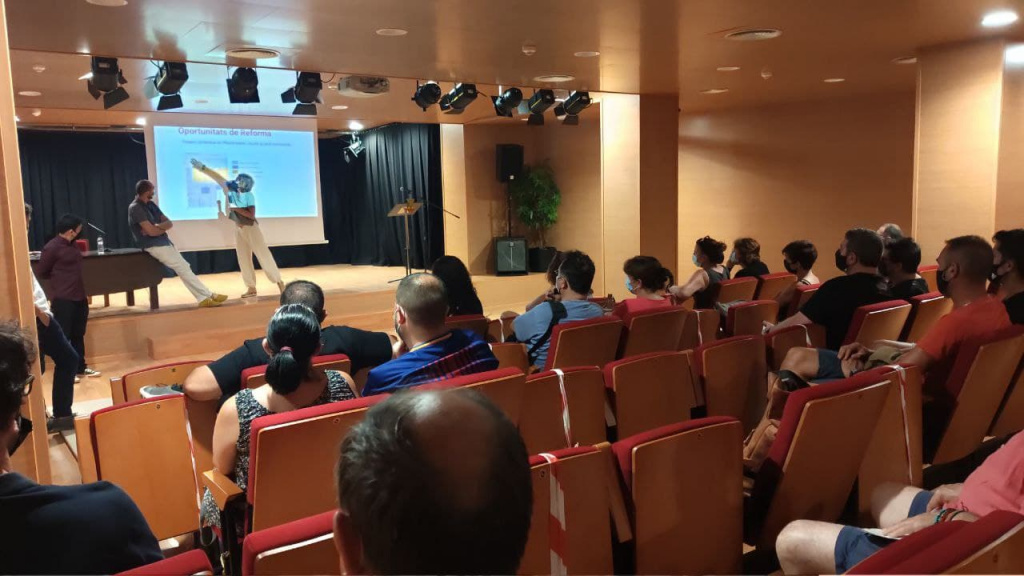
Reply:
x=655, y=330
x=651, y=390
x=587, y=547
x=592, y=342
x=477, y=323
x=505, y=387
x=771, y=285
x=202, y=416
x=813, y=463
x=734, y=378
x=735, y=289
x=925, y=311
x=748, y=318
x=607, y=303
x=184, y=564
x=257, y=375
x=303, y=546
x=993, y=544
x=684, y=483
x=929, y=273
x=699, y=327
x=542, y=421
x=144, y=447
x=801, y=295
x=126, y=388
x=959, y=416
x=779, y=343
x=1010, y=418
x=511, y=355
x=874, y=322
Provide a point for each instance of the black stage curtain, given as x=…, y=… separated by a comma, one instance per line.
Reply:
x=93, y=174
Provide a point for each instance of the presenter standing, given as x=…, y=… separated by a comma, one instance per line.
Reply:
x=149, y=227
x=249, y=239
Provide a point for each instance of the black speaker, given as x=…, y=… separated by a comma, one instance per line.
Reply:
x=510, y=256
x=510, y=161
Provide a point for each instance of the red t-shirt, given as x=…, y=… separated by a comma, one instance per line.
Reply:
x=943, y=341
x=998, y=484
x=625, y=309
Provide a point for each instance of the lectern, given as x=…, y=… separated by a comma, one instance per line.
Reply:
x=405, y=210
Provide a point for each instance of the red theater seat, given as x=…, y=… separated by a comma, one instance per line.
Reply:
x=656, y=330
x=473, y=322
x=801, y=295
x=748, y=318
x=779, y=343
x=651, y=390
x=511, y=355
x=256, y=376
x=874, y=322
x=734, y=378
x=735, y=289
x=592, y=342
x=541, y=421
x=699, y=327
x=504, y=387
x=929, y=273
x=185, y=564
x=771, y=285
x=304, y=546
x=925, y=311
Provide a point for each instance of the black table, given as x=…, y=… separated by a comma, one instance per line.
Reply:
x=114, y=271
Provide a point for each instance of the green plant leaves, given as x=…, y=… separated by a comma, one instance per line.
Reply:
x=536, y=197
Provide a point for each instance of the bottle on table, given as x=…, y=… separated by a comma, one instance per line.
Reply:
x=99, y=245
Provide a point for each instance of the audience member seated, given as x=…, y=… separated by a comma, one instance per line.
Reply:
x=746, y=252
x=462, y=298
x=798, y=258
x=573, y=283
x=86, y=529
x=1008, y=271
x=890, y=232
x=429, y=351
x=708, y=255
x=834, y=304
x=899, y=266
x=647, y=279
x=223, y=378
x=551, y=295
x=293, y=339
x=811, y=547
x=433, y=483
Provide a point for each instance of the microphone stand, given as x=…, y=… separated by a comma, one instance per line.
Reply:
x=426, y=234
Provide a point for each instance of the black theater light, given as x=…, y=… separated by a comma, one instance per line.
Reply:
x=456, y=101
x=570, y=109
x=243, y=86
x=306, y=92
x=538, y=105
x=169, y=80
x=107, y=81
x=426, y=95
x=508, y=101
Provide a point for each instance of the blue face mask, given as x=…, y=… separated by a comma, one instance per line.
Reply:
x=695, y=263
x=629, y=286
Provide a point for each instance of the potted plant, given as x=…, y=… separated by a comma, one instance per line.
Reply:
x=536, y=197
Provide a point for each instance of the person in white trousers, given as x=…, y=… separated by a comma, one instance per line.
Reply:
x=149, y=227
x=241, y=203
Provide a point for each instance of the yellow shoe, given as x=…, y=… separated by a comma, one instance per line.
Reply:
x=210, y=303
x=219, y=298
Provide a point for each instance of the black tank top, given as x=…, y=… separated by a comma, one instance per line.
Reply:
x=706, y=298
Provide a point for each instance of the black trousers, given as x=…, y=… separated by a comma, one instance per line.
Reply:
x=73, y=315
x=54, y=344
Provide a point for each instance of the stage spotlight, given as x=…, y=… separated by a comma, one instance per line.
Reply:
x=507, y=102
x=456, y=101
x=426, y=95
x=306, y=92
x=353, y=150
x=576, y=102
x=243, y=87
x=107, y=81
x=537, y=105
x=168, y=81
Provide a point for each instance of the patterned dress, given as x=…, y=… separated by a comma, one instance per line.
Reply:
x=249, y=409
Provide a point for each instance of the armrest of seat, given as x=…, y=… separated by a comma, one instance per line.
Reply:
x=222, y=488
x=616, y=501
x=117, y=391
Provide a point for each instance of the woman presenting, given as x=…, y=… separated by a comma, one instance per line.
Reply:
x=249, y=240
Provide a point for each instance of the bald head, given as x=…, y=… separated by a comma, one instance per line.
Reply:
x=423, y=299
x=437, y=482
x=890, y=232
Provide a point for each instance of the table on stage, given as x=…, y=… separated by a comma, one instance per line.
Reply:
x=120, y=270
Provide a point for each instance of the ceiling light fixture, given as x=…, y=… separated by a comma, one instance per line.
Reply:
x=905, y=60
x=243, y=86
x=169, y=79
x=107, y=81
x=460, y=97
x=108, y=3
x=727, y=68
x=586, y=54
x=537, y=105
x=30, y=93
x=141, y=120
x=426, y=95
x=753, y=34
x=999, y=19
x=576, y=102
x=392, y=32
x=306, y=92
x=37, y=113
x=554, y=78
x=355, y=125
x=508, y=101
x=714, y=91
x=354, y=148
x=252, y=53
x=39, y=68
x=833, y=80
x=339, y=107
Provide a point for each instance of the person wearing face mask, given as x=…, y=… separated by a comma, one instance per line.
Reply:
x=834, y=304
x=708, y=256
x=746, y=252
x=429, y=350
x=84, y=529
x=798, y=258
x=1007, y=277
x=647, y=279
x=899, y=266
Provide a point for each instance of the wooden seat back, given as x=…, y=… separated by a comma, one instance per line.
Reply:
x=505, y=387
x=143, y=447
x=925, y=311
x=699, y=327
x=801, y=295
x=735, y=289
x=685, y=484
x=257, y=375
x=592, y=342
x=748, y=318
x=1010, y=418
x=874, y=322
x=651, y=390
x=511, y=355
x=779, y=343
x=657, y=330
x=477, y=323
x=202, y=416
x=126, y=388
x=769, y=286
x=929, y=273
x=541, y=422
x=734, y=376
x=303, y=546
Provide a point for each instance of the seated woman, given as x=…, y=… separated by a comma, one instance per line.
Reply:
x=708, y=255
x=462, y=298
x=798, y=257
x=746, y=252
x=293, y=339
x=647, y=279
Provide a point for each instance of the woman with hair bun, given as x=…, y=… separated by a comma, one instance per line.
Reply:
x=293, y=339
x=647, y=279
x=708, y=255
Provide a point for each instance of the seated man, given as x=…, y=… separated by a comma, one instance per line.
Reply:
x=222, y=378
x=899, y=266
x=573, y=283
x=432, y=351
x=833, y=305
x=1008, y=271
x=890, y=232
x=433, y=483
x=811, y=547
x=798, y=258
x=85, y=529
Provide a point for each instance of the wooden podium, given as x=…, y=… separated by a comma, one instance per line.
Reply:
x=405, y=210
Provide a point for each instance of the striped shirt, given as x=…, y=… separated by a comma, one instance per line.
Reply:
x=457, y=353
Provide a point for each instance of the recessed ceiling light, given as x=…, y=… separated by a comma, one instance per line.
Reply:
x=555, y=78
x=355, y=125
x=586, y=54
x=339, y=107
x=30, y=93
x=392, y=32
x=727, y=68
x=753, y=34
x=39, y=68
x=833, y=80
x=253, y=53
x=714, y=91
x=37, y=113
x=141, y=121
x=1015, y=54
x=998, y=19
x=905, y=60
x=108, y=3
x=86, y=76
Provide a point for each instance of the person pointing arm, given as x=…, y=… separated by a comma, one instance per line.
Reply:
x=228, y=187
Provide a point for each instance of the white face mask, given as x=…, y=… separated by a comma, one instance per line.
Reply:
x=629, y=286
x=695, y=262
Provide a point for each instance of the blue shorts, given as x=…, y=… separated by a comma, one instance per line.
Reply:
x=829, y=365
x=855, y=545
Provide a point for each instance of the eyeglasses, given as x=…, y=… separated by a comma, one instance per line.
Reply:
x=28, y=384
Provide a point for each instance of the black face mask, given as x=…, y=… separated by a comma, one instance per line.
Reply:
x=789, y=267
x=840, y=261
x=24, y=429
x=942, y=283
